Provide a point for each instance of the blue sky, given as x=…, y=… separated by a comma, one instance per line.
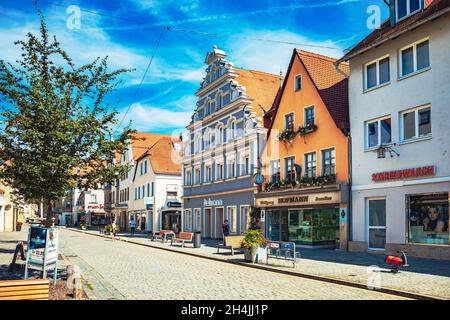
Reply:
x=127, y=31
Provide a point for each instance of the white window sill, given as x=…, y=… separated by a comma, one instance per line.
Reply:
x=412, y=74
x=376, y=87
x=424, y=138
x=206, y=183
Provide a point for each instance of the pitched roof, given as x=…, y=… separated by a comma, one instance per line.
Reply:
x=164, y=158
x=142, y=141
x=331, y=85
x=386, y=32
x=262, y=87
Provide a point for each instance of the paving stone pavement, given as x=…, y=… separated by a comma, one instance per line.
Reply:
x=424, y=276
x=128, y=271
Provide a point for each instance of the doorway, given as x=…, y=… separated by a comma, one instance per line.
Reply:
x=277, y=225
x=207, y=224
x=219, y=223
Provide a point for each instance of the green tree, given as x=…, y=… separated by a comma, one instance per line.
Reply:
x=55, y=131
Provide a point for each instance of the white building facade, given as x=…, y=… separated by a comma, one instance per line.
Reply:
x=399, y=95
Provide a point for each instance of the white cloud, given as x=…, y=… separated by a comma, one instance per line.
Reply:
x=149, y=118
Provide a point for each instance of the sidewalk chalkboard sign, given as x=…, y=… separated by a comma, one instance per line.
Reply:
x=42, y=253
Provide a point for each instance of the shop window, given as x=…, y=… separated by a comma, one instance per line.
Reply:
x=188, y=220
x=415, y=123
x=197, y=220
x=414, y=58
x=274, y=171
x=378, y=132
x=429, y=218
x=289, y=170
x=232, y=219
x=328, y=162
x=310, y=165
x=377, y=223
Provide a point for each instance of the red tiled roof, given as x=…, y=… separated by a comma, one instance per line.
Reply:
x=262, y=87
x=386, y=31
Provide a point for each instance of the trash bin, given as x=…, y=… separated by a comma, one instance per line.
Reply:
x=197, y=239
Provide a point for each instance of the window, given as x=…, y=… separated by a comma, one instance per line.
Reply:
x=405, y=8
x=208, y=175
x=188, y=178
x=378, y=132
x=328, y=162
x=415, y=123
x=231, y=168
x=244, y=165
x=289, y=171
x=187, y=220
x=429, y=218
x=289, y=121
x=298, y=82
x=148, y=189
x=197, y=175
x=377, y=223
x=93, y=198
x=232, y=219
x=198, y=143
x=274, y=171
x=141, y=168
x=309, y=116
x=245, y=218
x=232, y=134
x=414, y=58
x=145, y=166
x=219, y=171
x=153, y=189
x=219, y=100
x=377, y=73
x=310, y=165
x=197, y=226
x=219, y=135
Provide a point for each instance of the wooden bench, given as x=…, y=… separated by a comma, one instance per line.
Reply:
x=35, y=289
x=163, y=235
x=183, y=237
x=231, y=243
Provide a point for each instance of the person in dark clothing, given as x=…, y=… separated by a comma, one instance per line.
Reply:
x=225, y=229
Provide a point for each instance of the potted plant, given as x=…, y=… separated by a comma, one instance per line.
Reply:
x=83, y=223
x=253, y=241
x=108, y=229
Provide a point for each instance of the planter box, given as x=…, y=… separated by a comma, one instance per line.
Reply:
x=256, y=255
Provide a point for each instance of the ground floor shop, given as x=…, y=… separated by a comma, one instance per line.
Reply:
x=412, y=217
x=310, y=218
x=208, y=213
x=143, y=219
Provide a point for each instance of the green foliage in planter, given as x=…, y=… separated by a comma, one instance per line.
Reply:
x=317, y=181
x=306, y=129
x=253, y=238
x=287, y=135
x=255, y=218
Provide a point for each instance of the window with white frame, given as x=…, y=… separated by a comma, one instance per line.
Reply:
x=415, y=123
x=244, y=165
x=93, y=198
x=188, y=177
x=310, y=165
x=219, y=134
x=197, y=226
x=289, y=170
x=232, y=131
x=328, y=161
x=274, y=171
x=145, y=166
x=197, y=175
x=231, y=168
x=405, y=8
x=207, y=139
x=376, y=223
x=309, y=116
x=219, y=100
x=219, y=171
x=378, y=132
x=377, y=73
x=187, y=220
x=208, y=173
x=245, y=218
x=232, y=219
x=289, y=121
x=414, y=58
x=298, y=82
x=198, y=143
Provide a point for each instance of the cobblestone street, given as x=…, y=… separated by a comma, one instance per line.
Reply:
x=119, y=270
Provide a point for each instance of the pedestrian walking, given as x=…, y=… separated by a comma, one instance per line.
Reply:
x=113, y=231
x=132, y=226
x=225, y=229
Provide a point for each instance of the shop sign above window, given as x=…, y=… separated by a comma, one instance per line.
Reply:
x=404, y=174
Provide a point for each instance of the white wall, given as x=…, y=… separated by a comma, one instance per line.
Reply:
x=161, y=182
x=432, y=86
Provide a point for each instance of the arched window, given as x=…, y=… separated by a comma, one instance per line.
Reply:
x=198, y=143
x=219, y=134
x=231, y=130
x=219, y=100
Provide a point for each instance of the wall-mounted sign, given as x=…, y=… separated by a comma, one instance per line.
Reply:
x=173, y=204
x=148, y=200
x=212, y=203
x=95, y=206
x=301, y=199
x=404, y=174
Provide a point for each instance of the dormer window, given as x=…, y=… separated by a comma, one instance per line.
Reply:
x=406, y=8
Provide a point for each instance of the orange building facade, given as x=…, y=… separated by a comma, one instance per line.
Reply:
x=304, y=197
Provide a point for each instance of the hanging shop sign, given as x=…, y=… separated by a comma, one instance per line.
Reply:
x=42, y=253
x=425, y=171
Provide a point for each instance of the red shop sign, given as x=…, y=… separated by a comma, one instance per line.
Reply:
x=404, y=174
